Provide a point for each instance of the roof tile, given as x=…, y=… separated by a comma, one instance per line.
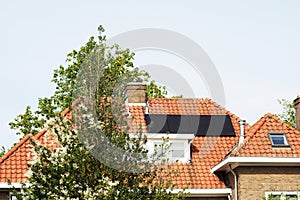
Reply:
x=257, y=142
x=206, y=151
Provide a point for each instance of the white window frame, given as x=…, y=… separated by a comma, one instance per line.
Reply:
x=285, y=141
x=282, y=194
x=154, y=144
x=186, y=139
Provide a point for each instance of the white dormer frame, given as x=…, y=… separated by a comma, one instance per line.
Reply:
x=154, y=139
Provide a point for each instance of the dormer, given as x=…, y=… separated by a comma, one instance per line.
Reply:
x=173, y=147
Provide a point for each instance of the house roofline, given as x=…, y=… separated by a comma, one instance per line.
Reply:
x=255, y=161
x=221, y=192
x=14, y=148
x=192, y=192
x=21, y=142
x=17, y=185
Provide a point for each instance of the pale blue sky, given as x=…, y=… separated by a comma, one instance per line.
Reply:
x=254, y=44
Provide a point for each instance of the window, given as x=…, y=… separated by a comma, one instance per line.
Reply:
x=175, y=148
x=283, y=195
x=161, y=149
x=172, y=151
x=278, y=139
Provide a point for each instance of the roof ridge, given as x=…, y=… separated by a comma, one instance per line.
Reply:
x=21, y=142
x=284, y=123
x=39, y=134
x=15, y=147
x=226, y=111
x=216, y=104
x=65, y=112
x=232, y=115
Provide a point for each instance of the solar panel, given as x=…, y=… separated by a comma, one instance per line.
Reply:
x=199, y=125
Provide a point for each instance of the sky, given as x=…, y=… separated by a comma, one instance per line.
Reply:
x=254, y=45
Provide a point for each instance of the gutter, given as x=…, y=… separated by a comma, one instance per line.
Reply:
x=5, y=185
x=255, y=161
x=222, y=192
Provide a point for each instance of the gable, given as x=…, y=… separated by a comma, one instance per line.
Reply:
x=258, y=141
x=14, y=164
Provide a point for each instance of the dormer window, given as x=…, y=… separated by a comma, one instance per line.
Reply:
x=177, y=148
x=278, y=139
x=174, y=150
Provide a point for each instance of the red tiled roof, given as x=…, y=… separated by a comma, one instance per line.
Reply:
x=14, y=164
x=257, y=142
x=178, y=106
x=206, y=151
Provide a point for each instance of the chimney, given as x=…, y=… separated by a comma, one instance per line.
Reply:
x=136, y=92
x=242, y=131
x=297, y=108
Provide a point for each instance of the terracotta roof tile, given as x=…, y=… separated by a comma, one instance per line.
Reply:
x=206, y=151
x=257, y=142
x=14, y=164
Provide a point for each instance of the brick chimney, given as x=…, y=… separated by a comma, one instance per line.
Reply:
x=297, y=108
x=136, y=92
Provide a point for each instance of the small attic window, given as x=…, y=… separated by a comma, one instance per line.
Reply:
x=278, y=139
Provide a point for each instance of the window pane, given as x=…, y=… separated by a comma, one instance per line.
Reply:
x=178, y=150
x=178, y=145
x=158, y=148
x=277, y=139
x=178, y=154
x=161, y=149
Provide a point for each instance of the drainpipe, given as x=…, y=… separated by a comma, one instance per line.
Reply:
x=242, y=130
x=235, y=183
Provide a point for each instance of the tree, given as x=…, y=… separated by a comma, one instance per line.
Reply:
x=118, y=65
x=72, y=172
x=289, y=113
x=2, y=151
x=75, y=169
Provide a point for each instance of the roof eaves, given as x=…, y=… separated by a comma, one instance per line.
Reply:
x=221, y=192
x=6, y=185
x=255, y=161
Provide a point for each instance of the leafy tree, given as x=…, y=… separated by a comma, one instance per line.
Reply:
x=97, y=159
x=118, y=66
x=288, y=114
x=2, y=151
x=72, y=172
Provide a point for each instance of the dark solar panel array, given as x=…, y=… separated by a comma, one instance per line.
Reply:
x=199, y=125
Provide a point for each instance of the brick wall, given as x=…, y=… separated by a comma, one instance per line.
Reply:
x=3, y=195
x=254, y=181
